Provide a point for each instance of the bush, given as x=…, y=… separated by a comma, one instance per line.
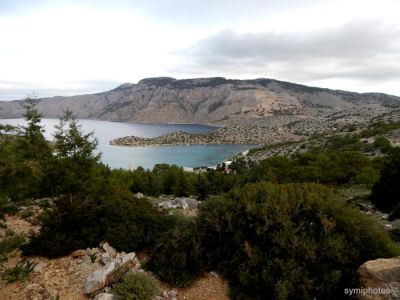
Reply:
x=20, y=272
x=132, y=224
x=177, y=257
x=293, y=241
x=137, y=286
x=9, y=243
x=385, y=193
x=127, y=223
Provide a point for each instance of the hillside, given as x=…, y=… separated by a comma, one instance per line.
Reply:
x=210, y=100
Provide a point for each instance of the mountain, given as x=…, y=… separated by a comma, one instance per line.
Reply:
x=211, y=100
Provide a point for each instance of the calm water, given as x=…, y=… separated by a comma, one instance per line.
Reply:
x=147, y=157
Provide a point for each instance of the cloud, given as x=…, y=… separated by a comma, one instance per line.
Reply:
x=363, y=50
x=14, y=90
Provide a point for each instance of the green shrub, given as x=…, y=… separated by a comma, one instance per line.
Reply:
x=127, y=223
x=382, y=143
x=293, y=241
x=25, y=214
x=137, y=286
x=177, y=257
x=93, y=257
x=132, y=224
x=385, y=193
x=20, y=272
x=9, y=243
x=395, y=234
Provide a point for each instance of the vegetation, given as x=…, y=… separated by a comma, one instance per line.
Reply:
x=177, y=257
x=10, y=242
x=385, y=193
x=293, y=241
x=137, y=286
x=20, y=272
x=276, y=229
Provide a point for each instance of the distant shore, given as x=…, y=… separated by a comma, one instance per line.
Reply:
x=177, y=138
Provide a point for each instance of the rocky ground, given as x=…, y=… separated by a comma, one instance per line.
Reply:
x=271, y=129
x=76, y=277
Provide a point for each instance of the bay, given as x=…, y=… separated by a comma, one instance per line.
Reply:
x=132, y=157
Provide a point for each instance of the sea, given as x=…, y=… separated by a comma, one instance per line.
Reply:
x=188, y=156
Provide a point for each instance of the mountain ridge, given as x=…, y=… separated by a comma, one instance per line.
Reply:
x=213, y=100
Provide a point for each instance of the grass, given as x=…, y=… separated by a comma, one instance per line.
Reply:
x=20, y=272
x=10, y=243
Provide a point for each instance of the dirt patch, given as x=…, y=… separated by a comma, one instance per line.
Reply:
x=211, y=286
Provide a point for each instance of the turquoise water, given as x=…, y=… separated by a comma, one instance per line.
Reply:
x=133, y=157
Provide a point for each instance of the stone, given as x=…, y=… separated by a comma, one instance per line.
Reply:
x=40, y=267
x=382, y=274
x=99, y=279
x=106, y=275
x=36, y=291
x=173, y=293
x=110, y=250
x=105, y=258
x=79, y=253
x=214, y=274
x=105, y=296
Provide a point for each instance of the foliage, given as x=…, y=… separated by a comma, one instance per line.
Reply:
x=20, y=272
x=24, y=158
x=93, y=257
x=288, y=241
x=385, y=193
x=9, y=243
x=114, y=215
x=177, y=256
x=380, y=128
x=137, y=286
x=316, y=166
x=382, y=143
x=76, y=168
x=132, y=224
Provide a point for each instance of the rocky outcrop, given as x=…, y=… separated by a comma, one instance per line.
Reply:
x=114, y=263
x=179, y=202
x=380, y=279
x=205, y=100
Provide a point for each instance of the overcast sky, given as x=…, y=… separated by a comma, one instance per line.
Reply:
x=72, y=47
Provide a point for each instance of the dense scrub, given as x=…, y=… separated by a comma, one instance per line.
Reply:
x=292, y=241
x=273, y=230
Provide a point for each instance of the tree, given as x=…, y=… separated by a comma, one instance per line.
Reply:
x=25, y=157
x=33, y=143
x=201, y=186
x=386, y=192
x=183, y=186
x=76, y=167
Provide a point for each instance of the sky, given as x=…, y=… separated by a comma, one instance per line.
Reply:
x=61, y=47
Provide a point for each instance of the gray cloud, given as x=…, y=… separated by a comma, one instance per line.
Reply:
x=363, y=50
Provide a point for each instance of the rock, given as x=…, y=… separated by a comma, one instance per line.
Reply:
x=79, y=253
x=180, y=202
x=40, y=266
x=106, y=275
x=105, y=259
x=173, y=294
x=99, y=279
x=139, y=195
x=110, y=250
x=381, y=275
x=105, y=296
x=214, y=274
x=36, y=291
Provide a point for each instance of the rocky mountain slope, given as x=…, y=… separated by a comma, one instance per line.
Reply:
x=210, y=100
